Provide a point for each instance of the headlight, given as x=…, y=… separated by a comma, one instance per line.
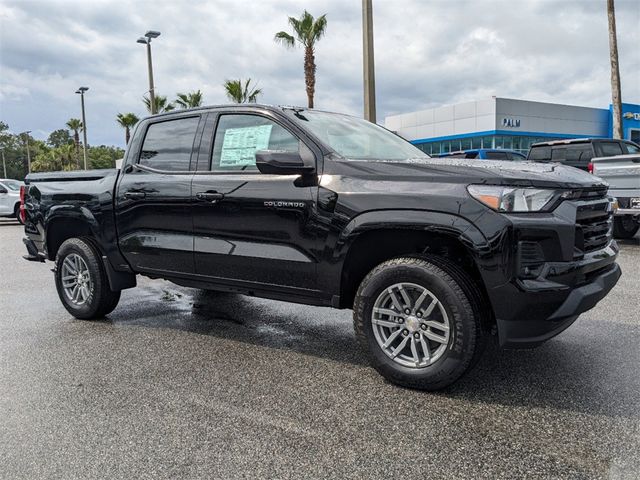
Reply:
x=515, y=199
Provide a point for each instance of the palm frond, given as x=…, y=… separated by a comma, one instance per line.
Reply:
x=285, y=39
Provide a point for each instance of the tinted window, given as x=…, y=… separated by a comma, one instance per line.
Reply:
x=239, y=137
x=167, y=145
x=559, y=154
x=540, y=153
x=579, y=153
x=631, y=148
x=610, y=149
x=496, y=156
x=470, y=155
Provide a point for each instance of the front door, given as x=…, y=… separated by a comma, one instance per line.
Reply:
x=249, y=226
x=153, y=200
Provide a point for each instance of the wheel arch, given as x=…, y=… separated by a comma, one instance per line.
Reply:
x=375, y=237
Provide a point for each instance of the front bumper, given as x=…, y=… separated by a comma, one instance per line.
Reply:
x=563, y=264
x=527, y=333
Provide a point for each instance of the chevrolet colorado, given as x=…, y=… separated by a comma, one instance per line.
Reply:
x=434, y=256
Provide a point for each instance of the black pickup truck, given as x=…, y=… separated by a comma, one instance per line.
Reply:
x=434, y=256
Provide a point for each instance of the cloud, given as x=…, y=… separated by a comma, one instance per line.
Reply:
x=428, y=53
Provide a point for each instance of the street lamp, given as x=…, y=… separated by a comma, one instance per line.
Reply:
x=26, y=140
x=4, y=165
x=146, y=39
x=369, y=75
x=81, y=91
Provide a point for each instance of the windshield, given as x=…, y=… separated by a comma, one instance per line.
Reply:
x=355, y=138
x=12, y=185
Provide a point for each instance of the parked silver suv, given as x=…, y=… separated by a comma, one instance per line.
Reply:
x=10, y=198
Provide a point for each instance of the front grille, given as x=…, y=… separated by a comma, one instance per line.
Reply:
x=593, y=226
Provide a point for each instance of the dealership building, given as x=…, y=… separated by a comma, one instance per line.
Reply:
x=507, y=123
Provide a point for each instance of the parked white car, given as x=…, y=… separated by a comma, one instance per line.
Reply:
x=10, y=198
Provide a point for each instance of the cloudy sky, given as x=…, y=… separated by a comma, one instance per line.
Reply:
x=428, y=53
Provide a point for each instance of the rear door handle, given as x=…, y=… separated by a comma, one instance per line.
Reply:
x=212, y=197
x=134, y=195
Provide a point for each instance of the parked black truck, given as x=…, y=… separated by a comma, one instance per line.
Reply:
x=433, y=255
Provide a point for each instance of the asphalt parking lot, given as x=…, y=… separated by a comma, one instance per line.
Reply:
x=179, y=383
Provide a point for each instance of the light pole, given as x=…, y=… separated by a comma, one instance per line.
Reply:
x=26, y=140
x=4, y=165
x=367, y=62
x=81, y=91
x=146, y=39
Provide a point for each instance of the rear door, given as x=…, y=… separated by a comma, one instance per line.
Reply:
x=251, y=227
x=153, y=196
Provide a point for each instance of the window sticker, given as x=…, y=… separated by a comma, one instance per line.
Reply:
x=240, y=145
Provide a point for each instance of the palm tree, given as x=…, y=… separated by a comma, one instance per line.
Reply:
x=76, y=125
x=616, y=95
x=189, y=100
x=240, y=92
x=162, y=104
x=306, y=31
x=127, y=121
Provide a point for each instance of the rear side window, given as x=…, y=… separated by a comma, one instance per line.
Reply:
x=167, y=145
x=239, y=137
x=610, y=149
x=542, y=153
x=497, y=155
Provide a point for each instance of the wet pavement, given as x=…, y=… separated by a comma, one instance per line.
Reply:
x=179, y=383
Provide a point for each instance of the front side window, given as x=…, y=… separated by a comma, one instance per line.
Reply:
x=167, y=145
x=12, y=185
x=354, y=138
x=631, y=148
x=239, y=137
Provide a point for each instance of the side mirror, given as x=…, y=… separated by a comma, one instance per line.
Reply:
x=279, y=162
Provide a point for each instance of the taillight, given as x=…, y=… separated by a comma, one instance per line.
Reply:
x=23, y=216
x=590, y=167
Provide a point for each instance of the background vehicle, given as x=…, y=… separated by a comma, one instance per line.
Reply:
x=326, y=209
x=10, y=198
x=622, y=173
x=579, y=152
x=486, y=154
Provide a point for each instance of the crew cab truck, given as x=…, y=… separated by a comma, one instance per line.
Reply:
x=434, y=256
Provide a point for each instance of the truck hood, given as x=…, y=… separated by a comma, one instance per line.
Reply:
x=461, y=170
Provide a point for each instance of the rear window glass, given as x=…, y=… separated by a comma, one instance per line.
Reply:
x=610, y=149
x=540, y=153
x=168, y=145
x=497, y=155
x=579, y=153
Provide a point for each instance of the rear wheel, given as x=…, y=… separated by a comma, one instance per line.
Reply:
x=419, y=322
x=16, y=213
x=82, y=282
x=625, y=227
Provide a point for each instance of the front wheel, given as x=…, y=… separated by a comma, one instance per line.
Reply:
x=81, y=281
x=625, y=227
x=420, y=322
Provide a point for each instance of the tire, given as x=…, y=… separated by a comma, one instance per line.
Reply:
x=458, y=305
x=96, y=299
x=625, y=227
x=16, y=213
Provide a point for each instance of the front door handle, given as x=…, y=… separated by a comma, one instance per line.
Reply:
x=133, y=195
x=212, y=197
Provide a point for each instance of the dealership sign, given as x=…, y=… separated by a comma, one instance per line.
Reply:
x=511, y=122
x=631, y=116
